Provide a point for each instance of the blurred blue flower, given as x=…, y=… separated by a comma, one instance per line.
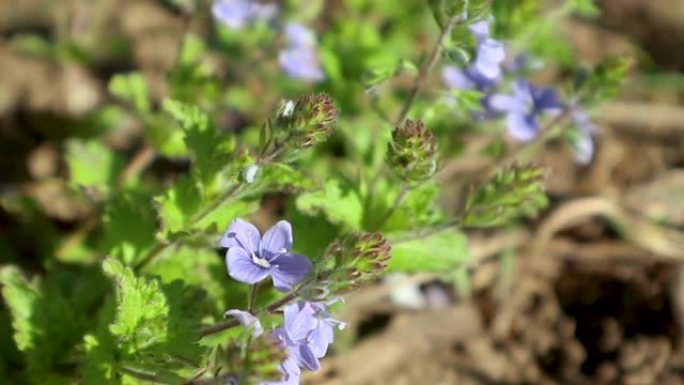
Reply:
x=251, y=258
x=586, y=129
x=299, y=59
x=236, y=14
x=524, y=106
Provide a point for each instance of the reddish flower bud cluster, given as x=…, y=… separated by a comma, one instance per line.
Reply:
x=412, y=152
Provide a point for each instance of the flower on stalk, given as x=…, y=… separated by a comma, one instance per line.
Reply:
x=412, y=153
x=299, y=60
x=524, y=106
x=235, y=14
x=355, y=260
x=251, y=258
x=306, y=333
x=583, y=143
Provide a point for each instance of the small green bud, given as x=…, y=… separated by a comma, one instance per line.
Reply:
x=355, y=260
x=312, y=120
x=412, y=153
x=511, y=193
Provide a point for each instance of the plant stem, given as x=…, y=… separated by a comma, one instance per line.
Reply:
x=252, y=297
x=219, y=327
x=425, y=68
x=395, y=205
x=151, y=377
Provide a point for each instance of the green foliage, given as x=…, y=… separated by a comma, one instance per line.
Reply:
x=603, y=82
x=340, y=206
x=92, y=164
x=132, y=89
x=437, y=253
x=511, y=193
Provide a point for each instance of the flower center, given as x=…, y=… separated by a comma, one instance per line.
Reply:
x=260, y=261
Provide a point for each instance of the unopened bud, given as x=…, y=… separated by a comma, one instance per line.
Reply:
x=355, y=260
x=412, y=153
x=313, y=119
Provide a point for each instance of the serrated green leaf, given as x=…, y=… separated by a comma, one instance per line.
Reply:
x=279, y=176
x=91, y=163
x=339, y=206
x=46, y=327
x=131, y=88
x=439, y=253
x=142, y=309
x=183, y=209
x=129, y=227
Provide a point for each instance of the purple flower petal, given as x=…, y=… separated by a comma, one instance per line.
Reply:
x=505, y=103
x=299, y=321
x=301, y=63
x=320, y=338
x=288, y=270
x=246, y=319
x=490, y=54
x=455, y=78
x=242, y=268
x=276, y=241
x=480, y=29
x=299, y=36
x=232, y=13
x=520, y=126
x=307, y=358
x=241, y=234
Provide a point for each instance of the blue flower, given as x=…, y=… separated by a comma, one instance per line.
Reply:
x=236, y=14
x=299, y=60
x=586, y=129
x=247, y=320
x=524, y=106
x=251, y=258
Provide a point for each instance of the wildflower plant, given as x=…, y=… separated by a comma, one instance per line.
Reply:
x=337, y=132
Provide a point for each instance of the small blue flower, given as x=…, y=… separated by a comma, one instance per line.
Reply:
x=251, y=258
x=236, y=14
x=300, y=60
x=524, y=106
x=586, y=129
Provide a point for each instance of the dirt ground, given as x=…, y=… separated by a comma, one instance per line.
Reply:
x=595, y=292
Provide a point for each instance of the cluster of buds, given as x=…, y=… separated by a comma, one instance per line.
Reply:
x=358, y=258
x=412, y=153
x=309, y=120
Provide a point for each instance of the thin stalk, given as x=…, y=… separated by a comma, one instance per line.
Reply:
x=395, y=205
x=151, y=377
x=251, y=299
x=426, y=67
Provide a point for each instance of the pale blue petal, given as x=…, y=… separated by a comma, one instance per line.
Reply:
x=521, y=127
x=276, y=241
x=288, y=270
x=241, y=267
x=299, y=321
x=241, y=234
x=246, y=319
x=320, y=338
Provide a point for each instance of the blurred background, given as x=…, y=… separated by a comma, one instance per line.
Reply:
x=591, y=291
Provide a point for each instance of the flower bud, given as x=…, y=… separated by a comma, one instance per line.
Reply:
x=355, y=260
x=412, y=152
x=313, y=119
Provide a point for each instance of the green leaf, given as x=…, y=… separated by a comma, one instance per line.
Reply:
x=131, y=88
x=209, y=150
x=280, y=176
x=142, y=309
x=182, y=208
x=340, y=207
x=91, y=163
x=437, y=253
x=129, y=226
x=155, y=321
x=46, y=327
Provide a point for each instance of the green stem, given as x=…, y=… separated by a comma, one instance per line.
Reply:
x=426, y=67
x=151, y=377
x=251, y=298
x=395, y=205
